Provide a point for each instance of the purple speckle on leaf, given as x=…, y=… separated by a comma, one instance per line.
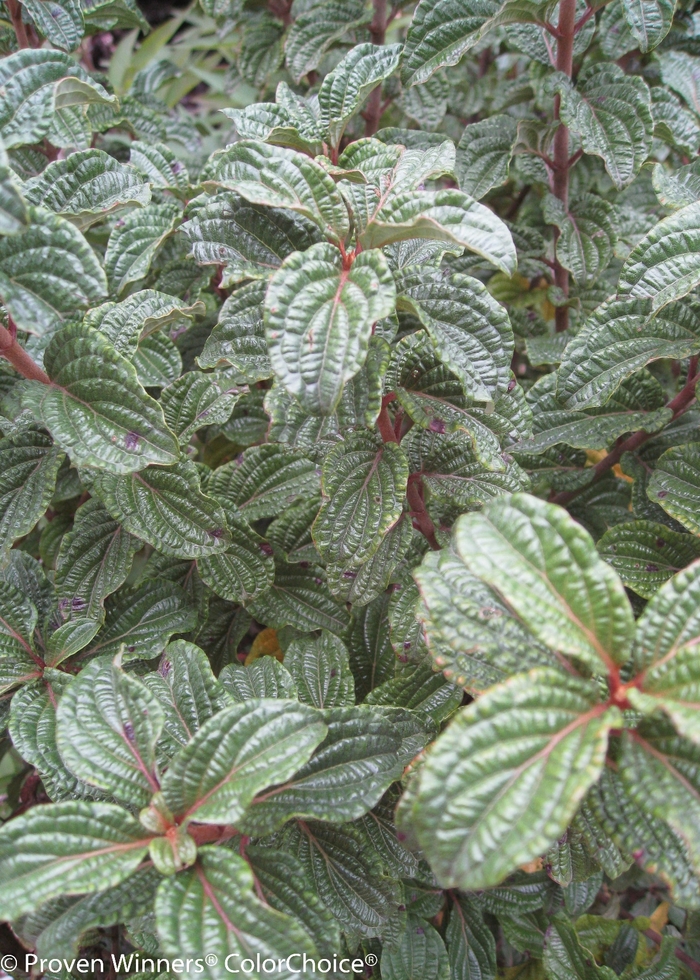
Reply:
x=131, y=441
x=129, y=731
x=436, y=425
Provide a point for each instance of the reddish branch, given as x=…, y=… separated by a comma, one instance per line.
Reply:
x=565, y=33
x=377, y=31
x=678, y=405
x=18, y=357
x=14, y=9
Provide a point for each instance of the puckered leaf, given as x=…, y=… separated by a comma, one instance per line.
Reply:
x=160, y=165
x=281, y=178
x=454, y=600
x=41, y=293
x=364, y=484
x=675, y=484
x=299, y=597
x=28, y=466
x=195, y=400
x=482, y=809
x=86, y=187
x=290, y=123
x=611, y=112
x=138, y=316
x=344, y=89
x=419, y=951
x=586, y=234
x=546, y=568
x=212, y=909
x=107, y=727
x=665, y=266
x=94, y=560
x=672, y=123
x=266, y=677
x=95, y=407
x=69, y=848
x=18, y=619
x=245, y=570
x=566, y=958
x=13, y=207
x=166, y=508
x=618, y=339
x=236, y=754
x=484, y=154
x=646, y=554
x=264, y=480
x=418, y=687
x=364, y=752
x=470, y=330
x=61, y=23
x=320, y=670
x=359, y=586
x=470, y=943
x=318, y=320
x=238, y=339
x=134, y=242
x=315, y=30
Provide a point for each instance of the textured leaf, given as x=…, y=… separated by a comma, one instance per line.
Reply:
x=18, y=619
x=95, y=407
x=67, y=848
x=480, y=813
x=469, y=329
x=321, y=671
x=291, y=123
x=29, y=464
x=586, y=235
x=672, y=123
x=315, y=30
x=675, y=485
x=646, y=554
x=196, y=400
x=236, y=754
x=157, y=361
x=664, y=266
x=611, y=112
x=266, y=677
x=419, y=688
x=359, y=586
x=371, y=656
x=166, y=508
x=186, y=690
x=138, y=316
x=470, y=944
x=484, y=154
x=211, y=909
x=41, y=295
x=140, y=621
x=245, y=570
x=61, y=23
x=13, y=208
x=539, y=559
x=649, y=21
x=107, y=727
x=238, y=339
x=264, y=480
x=134, y=242
x=344, y=89
x=158, y=163
x=365, y=750
x=565, y=958
x=299, y=597
x=281, y=178
x=364, y=483
x=618, y=339
x=418, y=953
x=87, y=186
x=319, y=318
x=427, y=104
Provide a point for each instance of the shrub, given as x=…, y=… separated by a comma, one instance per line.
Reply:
x=350, y=594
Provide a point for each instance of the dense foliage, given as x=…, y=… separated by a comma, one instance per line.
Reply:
x=350, y=490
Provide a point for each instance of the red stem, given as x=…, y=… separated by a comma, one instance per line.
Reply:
x=386, y=429
x=657, y=938
x=421, y=518
x=678, y=405
x=15, y=11
x=18, y=357
x=566, y=30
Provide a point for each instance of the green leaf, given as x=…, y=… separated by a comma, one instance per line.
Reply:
x=107, y=727
x=29, y=464
x=646, y=554
x=40, y=296
x=280, y=178
x=264, y=480
x=69, y=848
x=470, y=944
x=664, y=266
x=212, y=909
x=13, y=208
x=419, y=954
x=470, y=331
x=293, y=125
x=157, y=361
x=649, y=21
x=166, y=508
x=238, y=339
x=266, y=677
x=675, y=484
x=565, y=958
x=672, y=123
x=427, y=104
x=418, y=687
x=138, y=316
x=60, y=21
x=546, y=568
x=365, y=750
x=134, y=242
x=87, y=186
x=318, y=320
x=344, y=89
x=195, y=400
x=611, y=112
x=320, y=670
x=484, y=154
x=245, y=570
x=315, y=30
x=299, y=597
x=359, y=586
x=447, y=216
x=236, y=754
x=94, y=559
x=363, y=486
x=249, y=239
x=586, y=234
x=36, y=83
x=371, y=655
x=18, y=619
x=95, y=407
x=678, y=188
x=261, y=50
x=620, y=338
x=140, y=621
x=159, y=165
x=187, y=691
x=479, y=813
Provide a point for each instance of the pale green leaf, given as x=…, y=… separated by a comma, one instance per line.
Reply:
x=344, y=89
x=60, y=21
x=675, y=484
x=238, y=339
x=196, y=400
x=315, y=30
x=484, y=154
x=134, y=242
x=664, y=266
x=586, y=237
x=139, y=315
x=13, y=208
x=159, y=165
x=29, y=464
